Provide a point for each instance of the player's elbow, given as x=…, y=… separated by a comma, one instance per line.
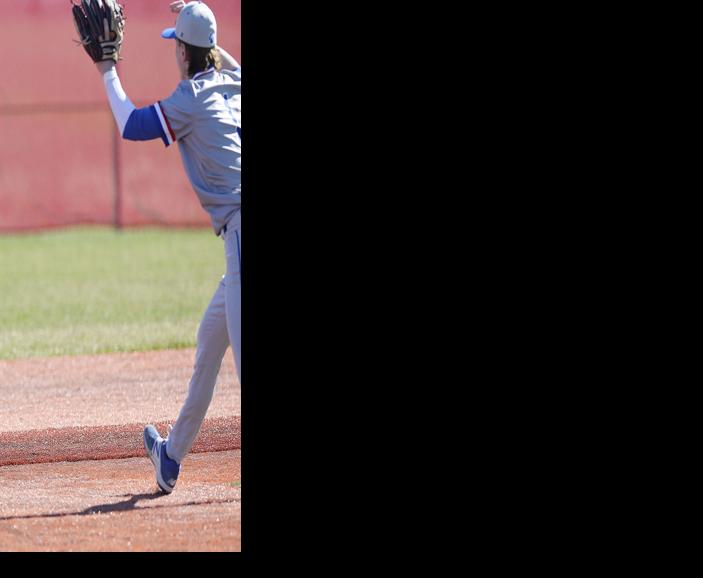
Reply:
x=132, y=128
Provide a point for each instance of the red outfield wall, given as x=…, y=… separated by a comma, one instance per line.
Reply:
x=60, y=163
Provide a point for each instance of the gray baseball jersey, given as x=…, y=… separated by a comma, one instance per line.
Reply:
x=204, y=116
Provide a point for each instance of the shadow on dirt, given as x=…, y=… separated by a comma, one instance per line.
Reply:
x=121, y=506
x=101, y=509
x=124, y=506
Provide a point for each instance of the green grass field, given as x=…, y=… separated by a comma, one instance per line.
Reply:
x=95, y=290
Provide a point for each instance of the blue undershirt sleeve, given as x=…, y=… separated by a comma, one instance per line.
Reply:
x=144, y=124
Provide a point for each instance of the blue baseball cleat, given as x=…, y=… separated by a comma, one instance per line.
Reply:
x=166, y=469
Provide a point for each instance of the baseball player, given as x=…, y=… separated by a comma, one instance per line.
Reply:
x=203, y=115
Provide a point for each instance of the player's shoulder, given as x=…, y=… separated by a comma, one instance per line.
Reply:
x=184, y=92
x=187, y=88
x=214, y=78
x=232, y=79
x=192, y=90
x=233, y=75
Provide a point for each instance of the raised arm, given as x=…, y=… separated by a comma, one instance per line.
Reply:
x=146, y=123
x=228, y=61
x=120, y=103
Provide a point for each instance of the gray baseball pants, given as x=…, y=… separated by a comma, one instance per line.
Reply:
x=220, y=327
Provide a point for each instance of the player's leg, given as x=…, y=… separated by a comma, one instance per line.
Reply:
x=233, y=287
x=212, y=344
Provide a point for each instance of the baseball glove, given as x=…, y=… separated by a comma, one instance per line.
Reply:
x=100, y=27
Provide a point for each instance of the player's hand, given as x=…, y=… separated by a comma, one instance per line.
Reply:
x=104, y=66
x=100, y=27
x=177, y=6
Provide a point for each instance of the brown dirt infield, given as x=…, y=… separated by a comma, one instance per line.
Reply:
x=73, y=474
x=115, y=505
x=117, y=388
